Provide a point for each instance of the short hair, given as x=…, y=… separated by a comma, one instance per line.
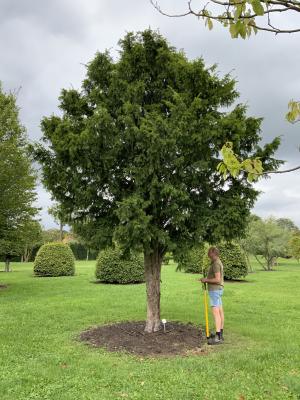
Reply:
x=214, y=250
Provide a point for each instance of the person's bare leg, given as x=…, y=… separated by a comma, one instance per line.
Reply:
x=222, y=316
x=217, y=318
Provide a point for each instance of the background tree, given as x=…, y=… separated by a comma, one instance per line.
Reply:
x=266, y=238
x=59, y=216
x=135, y=154
x=294, y=245
x=17, y=179
x=31, y=237
x=51, y=235
x=288, y=224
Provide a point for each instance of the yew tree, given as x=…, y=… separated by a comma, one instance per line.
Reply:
x=134, y=154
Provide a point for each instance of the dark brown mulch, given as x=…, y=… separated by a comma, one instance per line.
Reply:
x=130, y=337
x=3, y=287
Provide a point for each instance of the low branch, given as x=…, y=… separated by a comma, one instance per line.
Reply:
x=259, y=262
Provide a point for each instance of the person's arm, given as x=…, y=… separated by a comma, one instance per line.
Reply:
x=216, y=279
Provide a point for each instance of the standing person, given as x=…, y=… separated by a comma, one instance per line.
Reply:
x=215, y=282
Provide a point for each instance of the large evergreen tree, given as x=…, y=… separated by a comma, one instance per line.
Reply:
x=17, y=180
x=135, y=153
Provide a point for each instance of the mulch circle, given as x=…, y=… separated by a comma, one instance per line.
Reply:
x=179, y=339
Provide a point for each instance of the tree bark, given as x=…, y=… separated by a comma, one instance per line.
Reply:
x=7, y=264
x=61, y=232
x=87, y=254
x=153, y=263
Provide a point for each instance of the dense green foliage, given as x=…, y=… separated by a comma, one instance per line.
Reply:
x=143, y=138
x=115, y=267
x=17, y=180
x=42, y=360
x=54, y=259
x=192, y=260
x=233, y=259
x=294, y=246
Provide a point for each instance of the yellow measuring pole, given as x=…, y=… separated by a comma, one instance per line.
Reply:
x=206, y=311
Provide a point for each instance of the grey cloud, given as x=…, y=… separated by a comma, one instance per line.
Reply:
x=280, y=197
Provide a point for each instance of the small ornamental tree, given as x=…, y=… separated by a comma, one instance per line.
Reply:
x=54, y=259
x=115, y=267
x=135, y=154
x=31, y=236
x=266, y=238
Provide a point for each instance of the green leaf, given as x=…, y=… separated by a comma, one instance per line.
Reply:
x=233, y=30
x=258, y=7
x=209, y=23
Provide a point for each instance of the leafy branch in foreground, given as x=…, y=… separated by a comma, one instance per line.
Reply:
x=241, y=17
x=253, y=167
x=231, y=165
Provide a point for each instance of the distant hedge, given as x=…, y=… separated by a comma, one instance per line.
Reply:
x=54, y=259
x=233, y=259
x=191, y=261
x=114, y=267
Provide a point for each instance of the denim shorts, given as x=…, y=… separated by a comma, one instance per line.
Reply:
x=215, y=297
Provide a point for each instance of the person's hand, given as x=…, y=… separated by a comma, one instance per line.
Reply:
x=203, y=280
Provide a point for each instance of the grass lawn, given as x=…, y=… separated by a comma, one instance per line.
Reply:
x=41, y=359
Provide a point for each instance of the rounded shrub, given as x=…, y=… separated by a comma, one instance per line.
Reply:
x=191, y=261
x=233, y=260
x=115, y=267
x=54, y=259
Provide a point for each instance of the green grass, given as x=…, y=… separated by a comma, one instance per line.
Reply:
x=41, y=359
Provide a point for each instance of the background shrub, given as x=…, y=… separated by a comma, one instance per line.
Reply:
x=54, y=259
x=115, y=267
x=167, y=258
x=233, y=259
x=191, y=261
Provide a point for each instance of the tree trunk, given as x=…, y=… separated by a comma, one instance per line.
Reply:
x=153, y=263
x=61, y=231
x=271, y=261
x=87, y=254
x=7, y=264
x=26, y=255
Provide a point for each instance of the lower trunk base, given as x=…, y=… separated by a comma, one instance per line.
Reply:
x=152, y=326
x=152, y=276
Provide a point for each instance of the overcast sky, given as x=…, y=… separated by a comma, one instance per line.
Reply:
x=44, y=44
